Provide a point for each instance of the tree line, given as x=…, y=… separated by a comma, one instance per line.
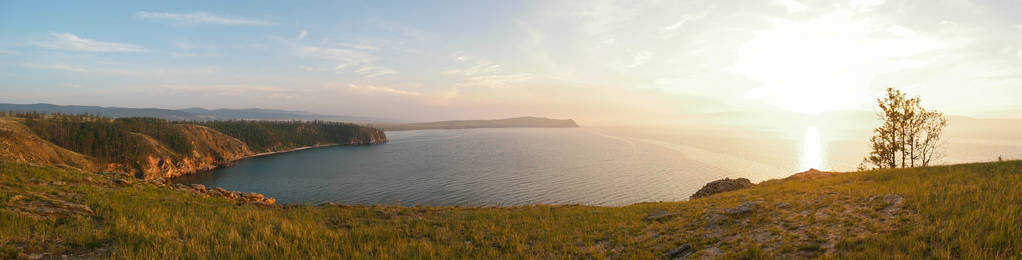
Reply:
x=267, y=136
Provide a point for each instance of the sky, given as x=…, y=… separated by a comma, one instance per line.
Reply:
x=595, y=61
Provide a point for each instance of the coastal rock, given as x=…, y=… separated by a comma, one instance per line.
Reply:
x=742, y=209
x=198, y=187
x=719, y=186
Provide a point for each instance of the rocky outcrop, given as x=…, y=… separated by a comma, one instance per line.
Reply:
x=719, y=186
x=243, y=197
x=211, y=149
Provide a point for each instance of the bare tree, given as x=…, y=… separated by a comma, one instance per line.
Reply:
x=909, y=134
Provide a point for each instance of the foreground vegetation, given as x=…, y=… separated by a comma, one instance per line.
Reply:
x=960, y=211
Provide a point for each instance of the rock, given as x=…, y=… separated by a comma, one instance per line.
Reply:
x=270, y=201
x=894, y=203
x=893, y=200
x=715, y=219
x=79, y=208
x=181, y=186
x=660, y=214
x=253, y=196
x=58, y=183
x=30, y=256
x=782, y=205
x=719, y=186
x=198, y=187
x=16, y=197
x=742, y=209
x=121, y=182
x=679, y=252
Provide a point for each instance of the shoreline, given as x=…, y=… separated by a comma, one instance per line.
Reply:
x=232, y=162
x=286, y=151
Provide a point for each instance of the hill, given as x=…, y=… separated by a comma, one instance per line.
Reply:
x=152, y=148
x=966, y=211
x=186, y=114
x=522, y=122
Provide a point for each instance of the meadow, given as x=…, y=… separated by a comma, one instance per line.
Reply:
x=958, y=211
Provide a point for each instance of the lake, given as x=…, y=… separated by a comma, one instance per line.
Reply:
x=473, y=167
x=494, y=167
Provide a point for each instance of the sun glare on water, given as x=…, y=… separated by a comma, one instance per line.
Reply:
x=812, y=152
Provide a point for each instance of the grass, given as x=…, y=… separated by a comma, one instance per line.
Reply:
x=960, y=211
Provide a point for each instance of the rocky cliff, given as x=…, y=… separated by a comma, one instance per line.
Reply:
x=211, y=149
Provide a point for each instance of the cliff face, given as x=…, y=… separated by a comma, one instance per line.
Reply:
x=211, y=149
x=369, y=136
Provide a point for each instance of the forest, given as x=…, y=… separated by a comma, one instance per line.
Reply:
x=268, y=136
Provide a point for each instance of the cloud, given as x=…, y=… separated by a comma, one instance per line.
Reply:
x=484, y=73
x=129, y=71
x=61, y=67
x=373, y=71
x=342, y=58
x=371, y=89
x=67, y=41
x=234, y=90
x=195, y=18
x=792, y=5
x=302, y=34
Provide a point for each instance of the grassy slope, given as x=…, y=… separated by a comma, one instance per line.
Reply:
x=968, y=211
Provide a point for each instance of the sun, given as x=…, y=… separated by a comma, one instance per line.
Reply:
x=822, y=64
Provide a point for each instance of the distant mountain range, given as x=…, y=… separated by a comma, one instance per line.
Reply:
x=186, y=114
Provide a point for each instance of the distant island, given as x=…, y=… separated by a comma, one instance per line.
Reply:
x=523, y=122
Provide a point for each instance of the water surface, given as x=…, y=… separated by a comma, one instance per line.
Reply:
x=473, y=167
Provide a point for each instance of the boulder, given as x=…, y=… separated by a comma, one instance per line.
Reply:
x=680, y=252
x=198, y=187
x=122, y=182
x=660, y=214
x=719, y=186
x=742, y=209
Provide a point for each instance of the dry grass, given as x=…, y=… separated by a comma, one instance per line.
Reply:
x=960, y=211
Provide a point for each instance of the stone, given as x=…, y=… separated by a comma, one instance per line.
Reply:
x=893, y=200
x=16, y=197
x=679, y=252
x=198, y=187
x=742, y=209
x=782, y=205
x=121, y=182
x=660, y=214
x=719, y=186
x=715, y=219
x=253, y=196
